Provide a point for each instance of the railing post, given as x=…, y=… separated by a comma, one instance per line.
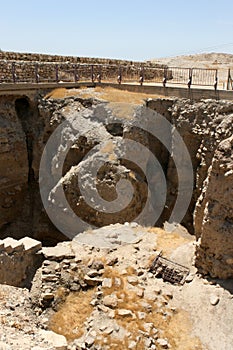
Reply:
x=75, y=74
x=119, y=77
x=37, y=73
x=141, y=76
x=92, y=73
x=190, y=78
x=164, y=77
x=216, y=80
x=57, y=73
x=99, y=75
x=14, y=77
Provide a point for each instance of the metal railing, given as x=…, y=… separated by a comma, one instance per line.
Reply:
x=229, y=80
x=51, y=72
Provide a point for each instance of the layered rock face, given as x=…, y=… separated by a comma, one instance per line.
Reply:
x=206, y=128
x=14, y=163
x=90, y=135
x=89, y=140
x=215, y=249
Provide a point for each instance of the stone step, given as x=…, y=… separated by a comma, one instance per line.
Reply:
x=30, y=245
x=27, y=244
x=11, y=245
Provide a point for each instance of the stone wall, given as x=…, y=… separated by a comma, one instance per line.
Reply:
x=34, y=57
x=26, y=67
x=19, y=261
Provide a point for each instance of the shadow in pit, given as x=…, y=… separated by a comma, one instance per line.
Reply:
x=226, y=284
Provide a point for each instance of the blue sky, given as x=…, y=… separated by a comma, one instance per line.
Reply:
x=133, y=29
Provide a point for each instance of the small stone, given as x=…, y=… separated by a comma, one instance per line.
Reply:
x=140, y=292
x=73, y=267
x=110, y=301
x=108, y=330
x=89, y=341
x=103, y=308
x=49, y=278
x=163, y=343
x=107, y=283
x=112, y=261
x=148, y=343
x=132, y=280
x=93, y=273
x=141, y=315
x=111, y=314
x=58, y=341
x=46, y=271
x=66, y=261
x=168, y=295
x=214, y=299
x=148, y=326
x=117, y=282
x=150, y=295
x=46, y=263
x=103, y=327
x=97, y=265
x=189, y=278
x=154, y=331
x=140, y=272
x=57, y=267
x=47, y=296
x=94, y=302
x=125, y=313
x=132, y=345
x=99, y=294
x=146, y=306
x=157, y=290
x=92, y=281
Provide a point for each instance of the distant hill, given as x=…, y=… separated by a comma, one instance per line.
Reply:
x=203, y=60
x=214, y=60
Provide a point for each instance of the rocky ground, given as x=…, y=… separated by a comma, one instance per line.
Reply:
x=106, y=298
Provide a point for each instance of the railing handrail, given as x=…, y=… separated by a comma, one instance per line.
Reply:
x=121, y=72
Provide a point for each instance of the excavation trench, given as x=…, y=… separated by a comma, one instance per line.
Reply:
x=32, y=122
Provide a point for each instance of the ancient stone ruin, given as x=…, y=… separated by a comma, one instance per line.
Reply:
x=101, y=269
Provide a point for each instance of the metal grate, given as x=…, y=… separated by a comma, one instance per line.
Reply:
x=169, y=270
x=201, y=76
x=178, y=75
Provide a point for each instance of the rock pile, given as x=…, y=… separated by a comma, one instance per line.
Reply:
x=86, y=296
